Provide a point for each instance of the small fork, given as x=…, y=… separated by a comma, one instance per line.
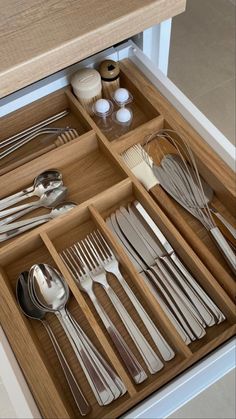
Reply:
x=111, y=264
x=74, y=261
x=98, y=274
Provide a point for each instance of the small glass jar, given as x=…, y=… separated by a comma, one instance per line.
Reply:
x=102, y=110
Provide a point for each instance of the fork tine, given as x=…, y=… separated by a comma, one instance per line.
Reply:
x=77, y=265
x=68, y=264
x=93, y=249
x=83, y=256
x=98, y=244
x=98, y=232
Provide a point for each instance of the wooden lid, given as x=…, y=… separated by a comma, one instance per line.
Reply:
x=109, y=70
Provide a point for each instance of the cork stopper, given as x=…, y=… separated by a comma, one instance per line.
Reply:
x=109, y=70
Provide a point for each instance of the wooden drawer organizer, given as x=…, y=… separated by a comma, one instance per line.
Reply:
x=99, y=182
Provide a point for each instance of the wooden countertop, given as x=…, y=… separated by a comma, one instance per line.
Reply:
x=38, y=38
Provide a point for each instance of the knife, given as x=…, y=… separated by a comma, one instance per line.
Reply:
x=205, y=313
x=164, y=348
x=139, y=245
x=178, y=321
x=170, y=251
x=158, y=257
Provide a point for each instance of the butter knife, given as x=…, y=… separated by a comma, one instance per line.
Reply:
x=170, y=251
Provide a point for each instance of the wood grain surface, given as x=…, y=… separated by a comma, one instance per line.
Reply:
x=99, y=182
x=40, y=38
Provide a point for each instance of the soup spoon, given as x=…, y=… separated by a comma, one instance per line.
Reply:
x=48, y=200
x=33, y=312
x=49, y=291
x=45, y=181
x=58, y=210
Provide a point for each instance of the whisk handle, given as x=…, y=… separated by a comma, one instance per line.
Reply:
x=224, y=247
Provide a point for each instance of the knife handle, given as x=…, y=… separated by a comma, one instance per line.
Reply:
x=166, y=351
x=197, y=302
x=148, y=276
x=151, y=359
x=198, y=289
x=181, y=301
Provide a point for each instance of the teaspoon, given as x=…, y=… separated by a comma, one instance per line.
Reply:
x=49, y=291
x=33, y=312
x=48, y=200
x=45, y=181
x=58, y=210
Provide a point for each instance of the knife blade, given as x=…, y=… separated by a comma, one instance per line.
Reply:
x=138, y=243
x=202, y=310
x=169, y=249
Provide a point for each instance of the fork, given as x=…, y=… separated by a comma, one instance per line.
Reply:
x=98, y=274
x=111, y=264
x=76, y=265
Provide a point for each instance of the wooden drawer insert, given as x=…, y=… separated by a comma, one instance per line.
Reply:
x=99, y=182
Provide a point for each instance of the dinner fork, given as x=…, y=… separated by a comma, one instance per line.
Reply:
x=111, y=264
x=75, y=263
x=98, y=274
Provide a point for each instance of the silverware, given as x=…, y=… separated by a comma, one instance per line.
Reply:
x=33, y=312
x=48, y=200
x=186, y=307
x=58, y=210
x=111, y=264
x=76, y=264
x=49, y=291
x=43, y=178
x=161, y=253
x=11, y=230
x=174, y=257
x=33, y=128
x=98, y=274
x=177, y=319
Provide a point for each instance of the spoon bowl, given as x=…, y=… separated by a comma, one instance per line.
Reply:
x=47, y=288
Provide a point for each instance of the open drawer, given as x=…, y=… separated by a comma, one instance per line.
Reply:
x=99, y=182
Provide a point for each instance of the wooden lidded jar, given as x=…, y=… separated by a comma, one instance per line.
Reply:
x=110, y=74
x=87, y=87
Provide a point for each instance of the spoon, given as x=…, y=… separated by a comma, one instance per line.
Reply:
x=48, y=200
x=59, y=209
x=45, y=181
x=9, y=231
x=33, y=312
x=49, y=291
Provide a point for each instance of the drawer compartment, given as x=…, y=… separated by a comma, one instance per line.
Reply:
x=99, y=182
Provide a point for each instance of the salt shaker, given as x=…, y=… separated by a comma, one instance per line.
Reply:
x=87, y=87
x=110, y=74
x=102, y=110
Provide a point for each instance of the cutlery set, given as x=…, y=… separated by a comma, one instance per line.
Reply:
x=48, y=187
x=63, y=135
x=184, y=301
x=43, y=290
x=178, y=175
x=89, y=262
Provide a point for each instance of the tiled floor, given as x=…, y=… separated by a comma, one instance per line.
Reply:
x=202, y=59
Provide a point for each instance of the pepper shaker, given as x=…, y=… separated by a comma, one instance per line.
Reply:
x=110, y=74
x=87, y=87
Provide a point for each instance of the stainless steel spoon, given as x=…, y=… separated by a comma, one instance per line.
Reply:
x=58, y=210
x=33, y=312
x=44, y=182
x=48, y=200
x=9, y=231
x=49, y=291
x=46, y=176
